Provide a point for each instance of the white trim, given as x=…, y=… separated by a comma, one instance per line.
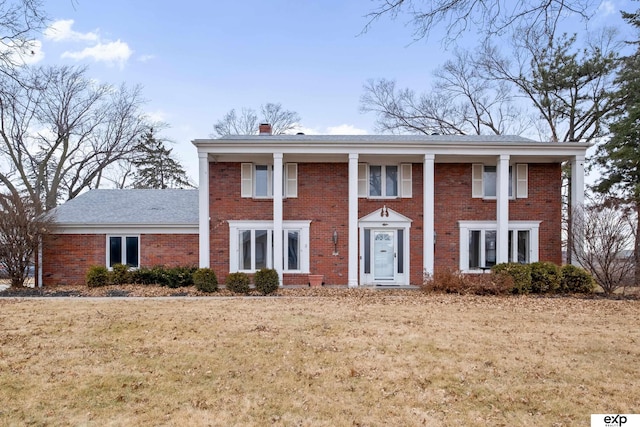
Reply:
x=352, y=279
x=204, y=217
x=278, y=184
x=123, y=242
x=502, y=207
x=406, y=181
x=465, y=226
x=291, y=180
x=522, y=180
x=126, y=228
x=302, y=226
x=428, y=209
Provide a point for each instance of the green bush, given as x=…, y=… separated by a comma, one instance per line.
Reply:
x=267, y=281
x=178, y=277
x=98, y=275
x=520, y=273
x=545, y=277
x=119, y=274
x=576, y=279
x=237, y=283
x=143, y=276
x=205, y=280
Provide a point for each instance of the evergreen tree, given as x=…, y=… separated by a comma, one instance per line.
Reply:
x=619, y=157
x=156, y=167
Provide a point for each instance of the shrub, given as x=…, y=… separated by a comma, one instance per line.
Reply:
x=177, y=277
x=576, y=279
x=119, y=274
x=98, y=275
x=205, y=280
x=237, y=283
x=454, y=282
x=267, y=281
x=519, y=273
x=545, y=277
x=143, y=276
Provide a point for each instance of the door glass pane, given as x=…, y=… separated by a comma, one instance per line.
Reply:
x=474, y=249
x=261, y=249
x=384, y=254
x=400, y=251
x=367, y=251
x=523, y=246
x=132, y=251
x=375, y=180
x=293, y=239
x=245, y=249
x=115, y=251
x=391, y=181
x=262, y=181
x=490, y=248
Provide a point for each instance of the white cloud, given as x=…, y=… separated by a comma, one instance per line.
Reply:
x=146, y=58
x=28, y=54
x=607, y=8
x=117, y=52
x=61, y=31
x=345, y=129
x=158, y=116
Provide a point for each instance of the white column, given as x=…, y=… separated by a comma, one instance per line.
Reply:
x=428, y=256
x=577, y=202
x=277, y=214
x=353, y=221
x=502, y=209
x=203, y=209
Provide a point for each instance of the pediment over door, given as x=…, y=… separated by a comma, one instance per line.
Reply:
x=384, y=216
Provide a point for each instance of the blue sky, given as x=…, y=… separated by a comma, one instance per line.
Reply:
x=196, y=60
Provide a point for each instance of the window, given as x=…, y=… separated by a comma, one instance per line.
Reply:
x=123, y=250
x=257, y=180
x=384, y=181
x=251, y=246
x=478, y=243
x=484, y=181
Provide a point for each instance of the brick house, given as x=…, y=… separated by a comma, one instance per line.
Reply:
x=367, y=209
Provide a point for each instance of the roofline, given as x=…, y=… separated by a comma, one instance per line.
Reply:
x=88, y=228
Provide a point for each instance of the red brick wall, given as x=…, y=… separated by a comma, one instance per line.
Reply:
x=453, y=203
x=67, y=257
x=323, y=199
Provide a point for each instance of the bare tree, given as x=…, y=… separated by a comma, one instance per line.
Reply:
x=604, y=243
x=20, y=21
x=490, y=17
x=247, y=121
x=21, y=227
x=461, y=101
x=61, y=131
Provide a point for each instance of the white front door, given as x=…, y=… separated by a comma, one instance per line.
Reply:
x=384, y=255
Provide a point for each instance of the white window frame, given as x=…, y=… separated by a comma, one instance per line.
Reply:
x=518, y=181
x=123, y=259
x=234, y=244
x=533, y=227
x=403, y=182
x=249, y=182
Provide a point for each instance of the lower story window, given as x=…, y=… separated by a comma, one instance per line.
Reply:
x=123, y=250
x=478, y=243
x=251, y=246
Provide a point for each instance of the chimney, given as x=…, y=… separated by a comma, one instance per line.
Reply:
x=265, y=129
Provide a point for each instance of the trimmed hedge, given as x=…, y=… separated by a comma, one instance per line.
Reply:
x=576, y=279
x=205, y=280
x=237, y=283
x=98, y=275
x=520, y=273
x=267, y=281
x=545, y=277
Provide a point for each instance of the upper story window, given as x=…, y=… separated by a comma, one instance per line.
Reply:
x=484, y=181
x=257, y=180
x=384, y=181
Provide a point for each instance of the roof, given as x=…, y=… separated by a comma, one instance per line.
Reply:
x=470, y=139
x=130, y=207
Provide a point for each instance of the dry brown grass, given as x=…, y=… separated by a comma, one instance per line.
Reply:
x=363, y=358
